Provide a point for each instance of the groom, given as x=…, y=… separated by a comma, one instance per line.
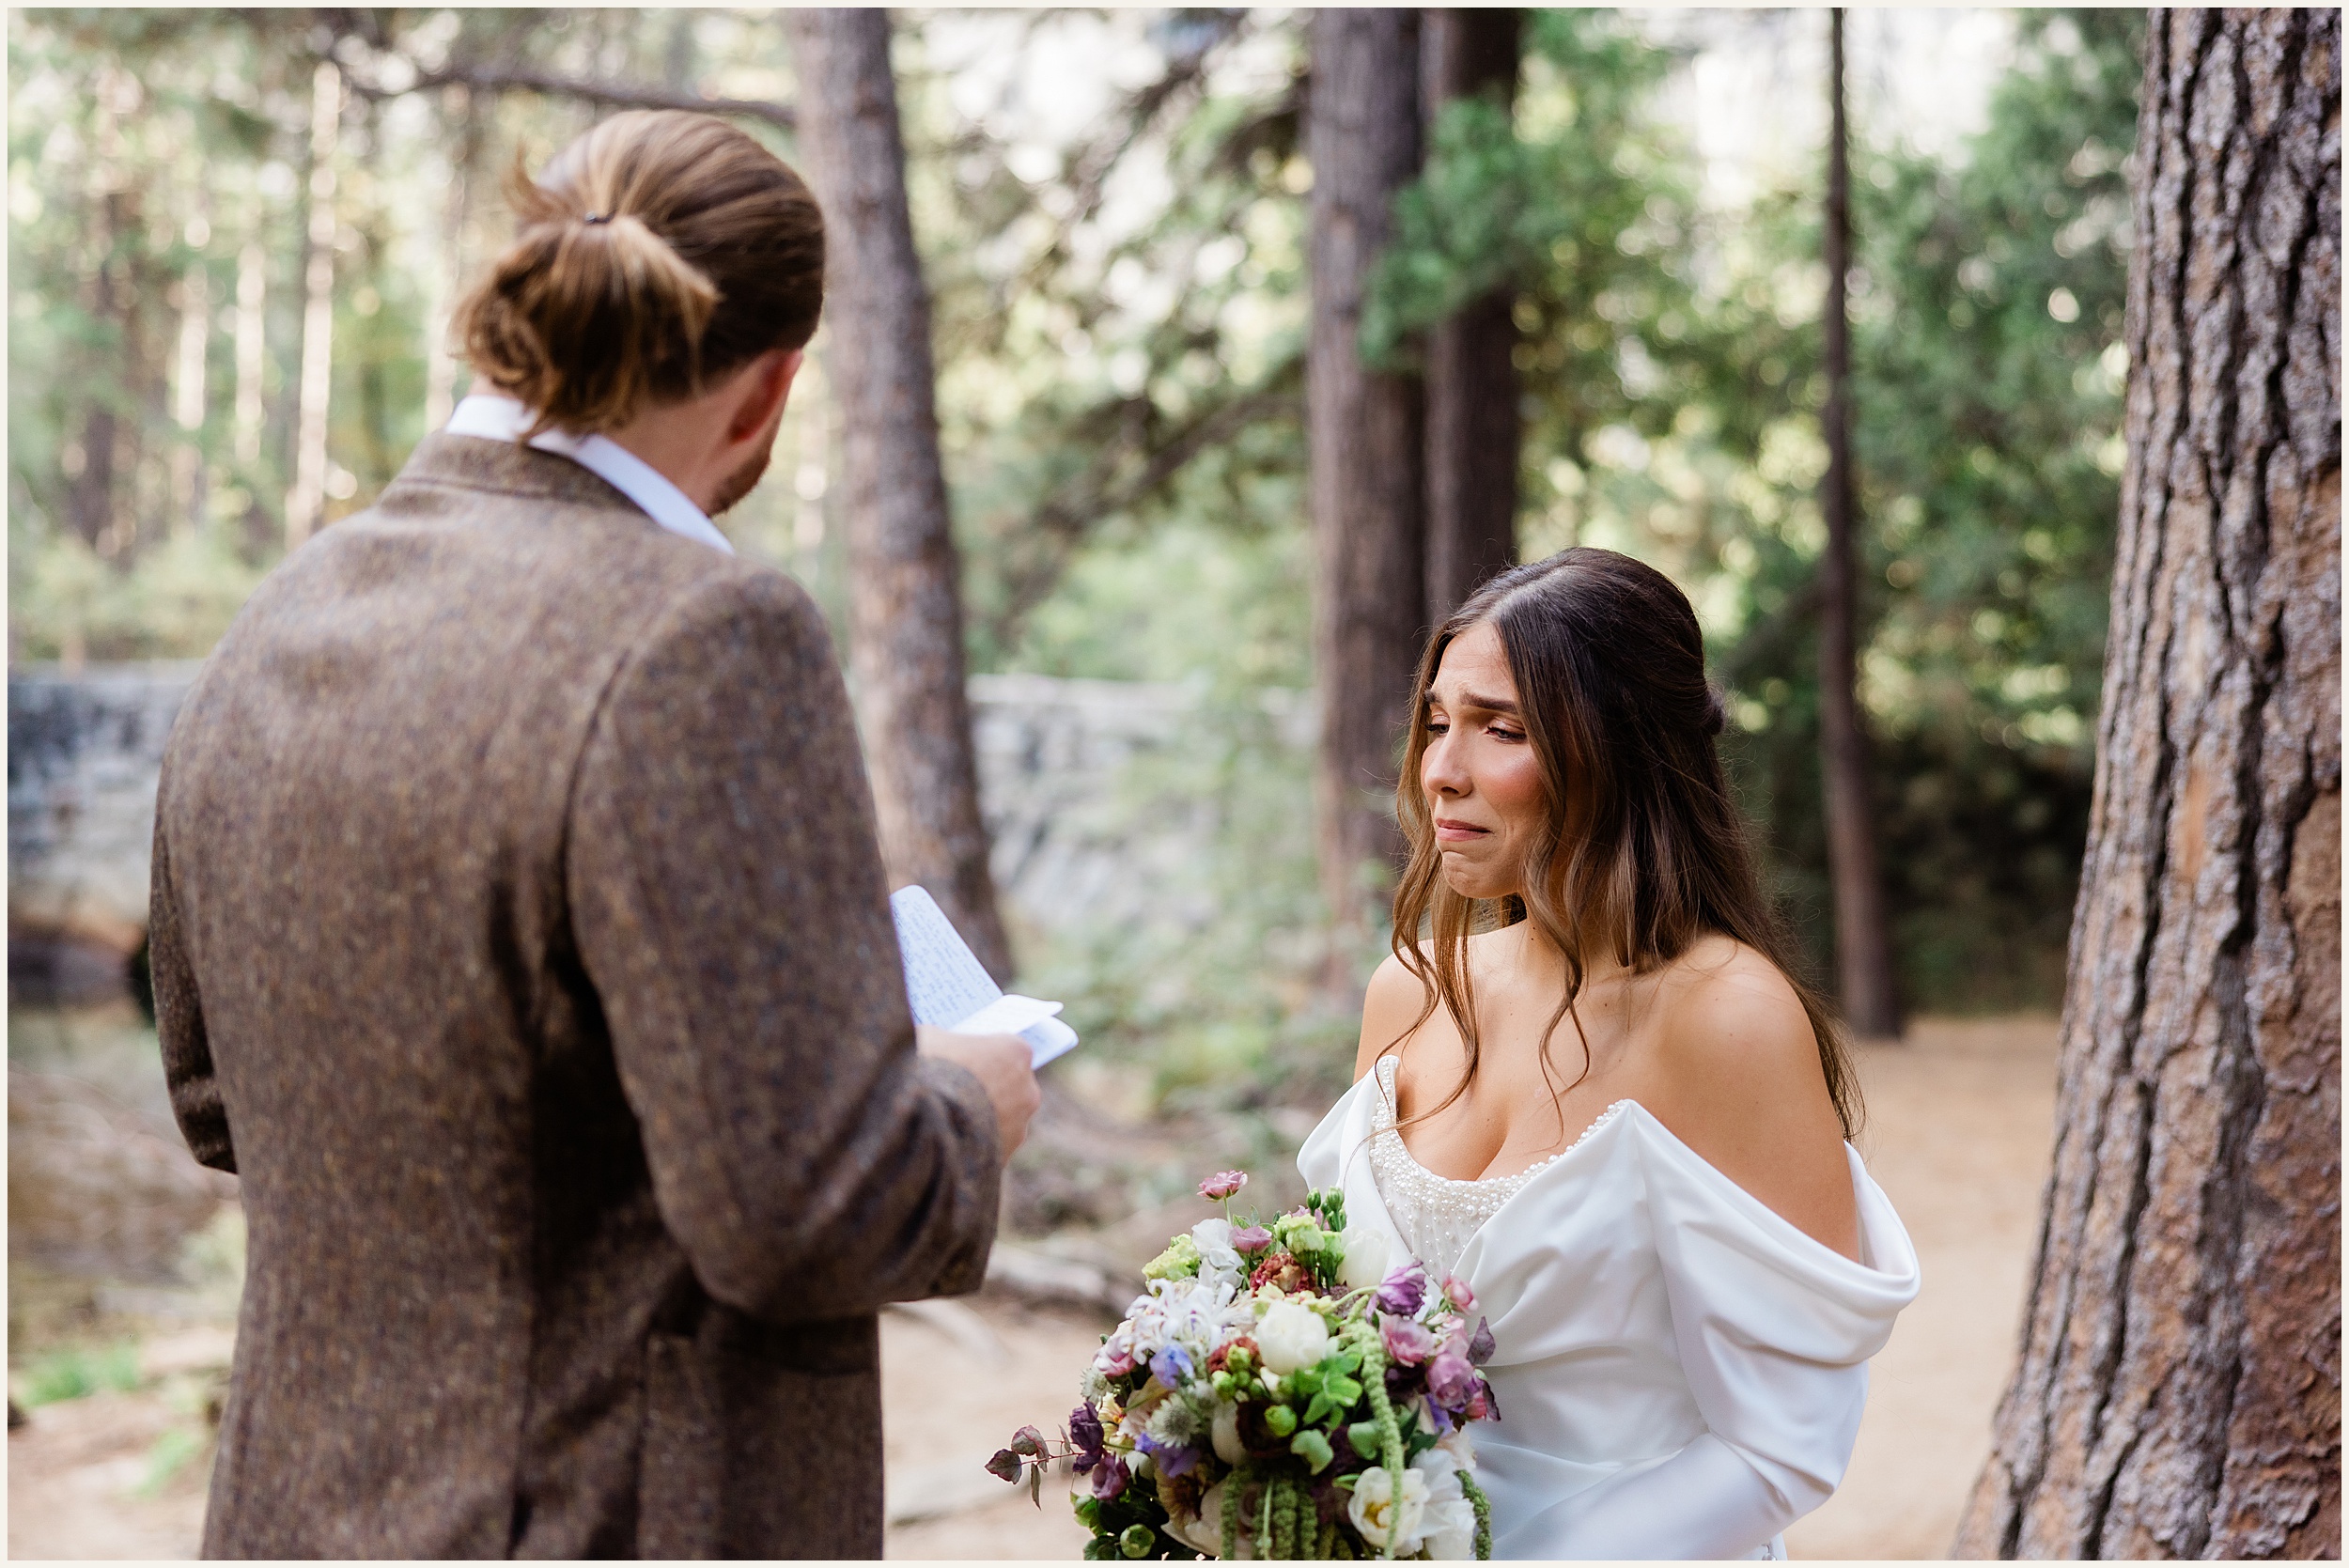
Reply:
x=521, y=940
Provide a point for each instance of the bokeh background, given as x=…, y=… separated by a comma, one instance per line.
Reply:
x=1112, y=211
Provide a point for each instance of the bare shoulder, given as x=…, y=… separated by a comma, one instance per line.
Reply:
x=1738, y=1079
x=1730, y=1022
x=1391, y=1007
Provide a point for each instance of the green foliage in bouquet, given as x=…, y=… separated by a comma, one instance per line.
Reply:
x=1281, y=1391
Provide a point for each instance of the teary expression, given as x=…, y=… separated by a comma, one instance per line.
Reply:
x=1481, y=778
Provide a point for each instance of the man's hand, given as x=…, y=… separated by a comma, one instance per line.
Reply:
x=1001, y=1063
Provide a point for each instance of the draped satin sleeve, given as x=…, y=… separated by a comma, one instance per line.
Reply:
x=1773, y=1331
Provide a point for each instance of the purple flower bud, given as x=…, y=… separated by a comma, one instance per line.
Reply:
x=1456, y=1290
x=1481, y=1347
x=1409, y=1343
x=1223, y=1185
x=1110, y=1479
x=1171, y=1366
x=1084, y=1428
x=1403, y=1290
x=1451, y=1379
x=1251, y=1238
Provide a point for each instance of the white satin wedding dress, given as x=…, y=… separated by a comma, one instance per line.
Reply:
x=1679, y=1371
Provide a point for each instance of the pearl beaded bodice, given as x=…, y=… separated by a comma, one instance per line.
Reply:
x=1437, y=1215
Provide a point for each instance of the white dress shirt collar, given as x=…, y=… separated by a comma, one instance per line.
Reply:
x=495, y=418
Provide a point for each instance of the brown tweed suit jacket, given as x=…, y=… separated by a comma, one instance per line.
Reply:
x=520, y=941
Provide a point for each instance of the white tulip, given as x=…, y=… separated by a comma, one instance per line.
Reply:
x=1291, y=1337
x=1224, y=1432
x=1375, y=1508
x=1366, y=1264
x=1205, y=1532
x=1451, y=1530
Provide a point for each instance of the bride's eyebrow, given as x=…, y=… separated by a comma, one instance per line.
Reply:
x=1481, y=705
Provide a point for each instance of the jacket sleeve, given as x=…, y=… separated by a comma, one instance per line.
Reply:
x=732, y=914
x=196, y=1098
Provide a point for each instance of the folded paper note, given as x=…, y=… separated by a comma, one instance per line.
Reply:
x=950, y=988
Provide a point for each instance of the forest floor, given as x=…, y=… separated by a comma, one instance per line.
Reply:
x=123, y=1379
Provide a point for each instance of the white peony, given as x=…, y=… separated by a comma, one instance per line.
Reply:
x=1291, y=1337
x=1365, y=1263
x=1213, y=1238
x=1376, y=1510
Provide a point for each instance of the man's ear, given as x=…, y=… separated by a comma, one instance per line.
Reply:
x=767, y=385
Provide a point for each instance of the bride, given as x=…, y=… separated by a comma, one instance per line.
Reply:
x=1597, y=1091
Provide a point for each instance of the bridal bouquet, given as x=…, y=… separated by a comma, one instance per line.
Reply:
x=1279, y=1391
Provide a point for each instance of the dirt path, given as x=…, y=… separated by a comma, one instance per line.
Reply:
x=1958, y=1137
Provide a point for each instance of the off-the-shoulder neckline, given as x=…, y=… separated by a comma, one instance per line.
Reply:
x=1617, y=1116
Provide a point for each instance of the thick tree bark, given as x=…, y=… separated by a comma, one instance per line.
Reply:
x=905, y=621
x=1863, y=948
x=1365, y=435
x=2179, y=1388
x=1473, y=424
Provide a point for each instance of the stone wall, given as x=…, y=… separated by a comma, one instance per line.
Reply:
x=1072, y=842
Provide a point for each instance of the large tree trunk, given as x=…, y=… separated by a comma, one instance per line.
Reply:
x=1365, y=435
x=1473, y=419
x=1863, y=948
x=2179, y=1386
x=905, y=620
x=305, y=503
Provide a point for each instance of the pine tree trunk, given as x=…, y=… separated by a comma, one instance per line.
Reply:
x=1473, y=419
x=305, y=503
x=905, y=620
x=1863, y=948
x=2178, y=1392
x=1366, y=440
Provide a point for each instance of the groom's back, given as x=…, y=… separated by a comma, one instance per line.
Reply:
x=453, y=1235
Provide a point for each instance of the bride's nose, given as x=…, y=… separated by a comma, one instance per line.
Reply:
x=1440, y=767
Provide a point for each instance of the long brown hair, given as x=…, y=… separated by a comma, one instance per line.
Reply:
x=1641, y=851
x=657, y=253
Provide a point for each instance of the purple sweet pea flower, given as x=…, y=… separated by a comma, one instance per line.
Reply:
x=1085, y=1430
x=1403, y=1290
x=1251, y=1238
x=1223, y=1185
x=1110, y=1479
x=1173, y=1459
x=1409, y=1343
x=1171, y=1366
x=1451, y=1379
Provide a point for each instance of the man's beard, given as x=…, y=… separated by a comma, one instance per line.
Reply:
x=742, y=480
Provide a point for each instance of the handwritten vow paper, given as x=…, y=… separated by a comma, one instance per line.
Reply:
x=950, y=988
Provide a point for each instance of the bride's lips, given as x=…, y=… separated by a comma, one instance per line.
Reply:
x=1449, y=832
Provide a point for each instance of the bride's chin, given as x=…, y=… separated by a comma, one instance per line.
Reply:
x=1474, y=881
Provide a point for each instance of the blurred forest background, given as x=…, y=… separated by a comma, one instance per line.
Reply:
x=235, y=237
x=1111, y=208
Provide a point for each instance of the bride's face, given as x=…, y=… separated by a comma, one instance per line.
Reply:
x=1482, y=780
